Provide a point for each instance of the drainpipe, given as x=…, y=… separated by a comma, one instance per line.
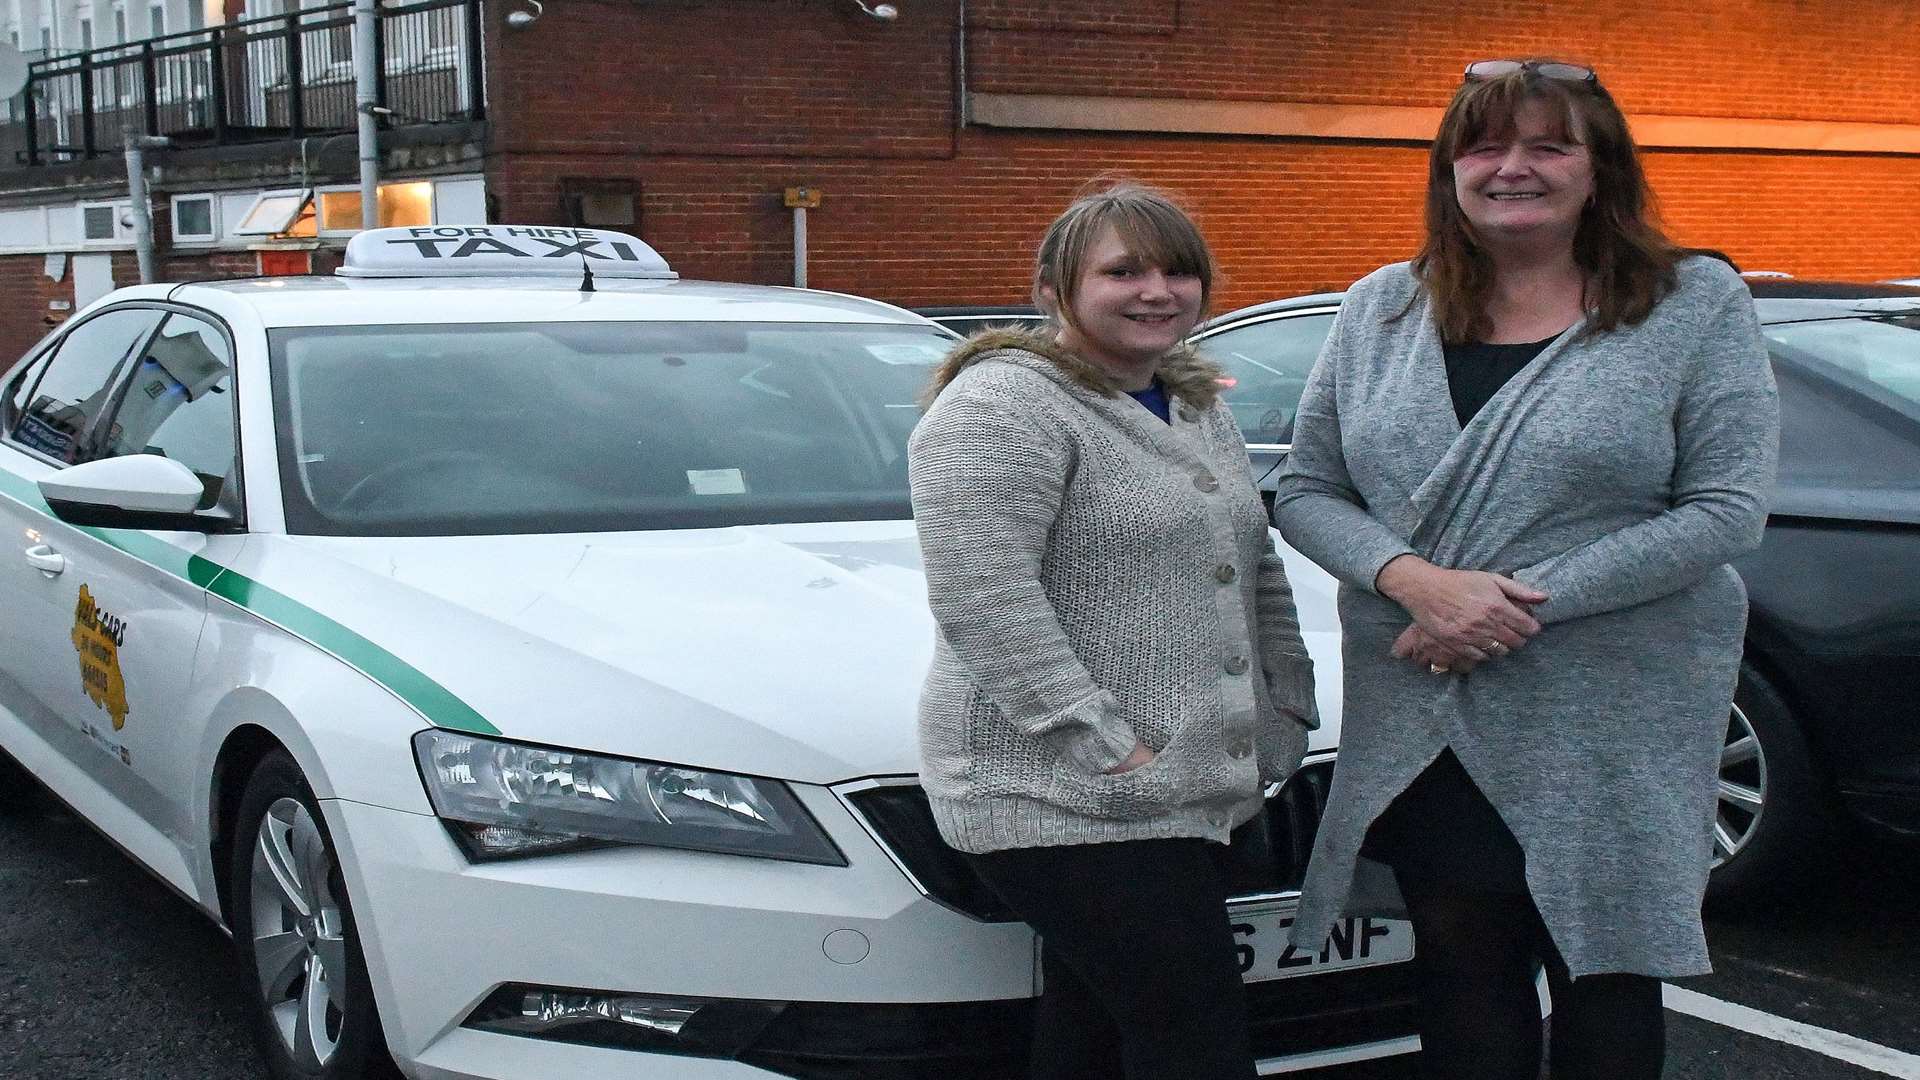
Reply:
x=366, y=98
x=137, y=146
x=801, y=199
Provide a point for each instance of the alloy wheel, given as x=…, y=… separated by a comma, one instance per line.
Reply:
x=299, y=944
x=1742, y=792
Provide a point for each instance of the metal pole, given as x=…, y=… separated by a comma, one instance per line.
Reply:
x=136, y=147
x=366, y=96
x=799, y=247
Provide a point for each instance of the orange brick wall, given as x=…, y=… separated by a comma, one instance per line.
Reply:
x=920, y=212
x=712, y=107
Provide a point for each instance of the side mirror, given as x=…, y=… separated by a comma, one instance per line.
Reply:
x=139, y=491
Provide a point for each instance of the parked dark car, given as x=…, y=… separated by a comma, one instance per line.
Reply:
x=1825, y=723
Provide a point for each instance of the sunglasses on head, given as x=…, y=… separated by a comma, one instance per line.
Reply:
x=1494, y=69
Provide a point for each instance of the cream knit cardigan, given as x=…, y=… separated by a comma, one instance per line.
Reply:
x=1098, y=577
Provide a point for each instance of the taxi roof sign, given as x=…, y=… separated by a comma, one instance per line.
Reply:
x=439, y=251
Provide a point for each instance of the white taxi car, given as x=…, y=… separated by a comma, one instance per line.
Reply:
x=516, y=649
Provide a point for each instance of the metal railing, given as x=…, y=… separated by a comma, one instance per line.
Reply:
x=277, y=77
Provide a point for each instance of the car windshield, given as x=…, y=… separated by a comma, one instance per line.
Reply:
x=1868, y=354
x=1849, y=401
x=591, y=427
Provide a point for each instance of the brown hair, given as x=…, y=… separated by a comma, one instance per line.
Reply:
x=1628, y=259
x=1153, y=226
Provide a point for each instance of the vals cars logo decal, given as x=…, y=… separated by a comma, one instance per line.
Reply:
x=97, y=637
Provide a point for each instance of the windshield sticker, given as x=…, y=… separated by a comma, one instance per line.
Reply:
x=97, y=636
x=916, y=353
x=716, y=482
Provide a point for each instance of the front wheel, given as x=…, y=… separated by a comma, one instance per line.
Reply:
x=313, y=1014
x=1773, y=811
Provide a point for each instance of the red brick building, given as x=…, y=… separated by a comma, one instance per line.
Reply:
x=1785, y=132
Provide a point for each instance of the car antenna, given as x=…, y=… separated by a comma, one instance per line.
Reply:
x=586, y=274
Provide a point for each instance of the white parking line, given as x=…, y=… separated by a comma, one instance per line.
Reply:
x=1834, y=1044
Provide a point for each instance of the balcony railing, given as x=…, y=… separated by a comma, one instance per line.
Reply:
x=278, y=77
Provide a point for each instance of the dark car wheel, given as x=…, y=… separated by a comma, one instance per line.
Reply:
x=313, y=1010
x=1773, y=811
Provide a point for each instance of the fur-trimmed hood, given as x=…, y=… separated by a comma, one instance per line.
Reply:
x=1186, y=374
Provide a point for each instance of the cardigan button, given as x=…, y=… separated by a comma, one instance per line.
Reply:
x=1190, y=415
x=1240, y=747
x=1236, y=665
x=1206, y=482
x=1225, y=573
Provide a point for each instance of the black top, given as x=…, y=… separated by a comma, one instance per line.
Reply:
x=1476, y=371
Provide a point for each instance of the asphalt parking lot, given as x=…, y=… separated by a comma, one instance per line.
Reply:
x=106, y=975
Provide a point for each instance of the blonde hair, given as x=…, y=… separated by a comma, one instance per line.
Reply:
x=1154, y=227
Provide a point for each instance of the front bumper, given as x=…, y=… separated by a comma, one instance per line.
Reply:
x=935, y=992
x=441, y=934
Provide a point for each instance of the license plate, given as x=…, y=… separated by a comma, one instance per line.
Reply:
x=1260, y=934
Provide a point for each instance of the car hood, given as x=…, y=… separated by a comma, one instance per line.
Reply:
x=793, y=651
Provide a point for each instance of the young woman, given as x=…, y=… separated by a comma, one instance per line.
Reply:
x=1118, y=669
x=1529, y=456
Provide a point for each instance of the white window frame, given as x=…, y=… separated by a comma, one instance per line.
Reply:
x=121, y=234
x=302, y=198
x=213, y=220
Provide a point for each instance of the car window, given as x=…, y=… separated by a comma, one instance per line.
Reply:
x=425, y=430
x=1267, y=364
x=1883, y=353
x=1849, y=412
x=75, y=386
x=20, y=388
x=178, y=403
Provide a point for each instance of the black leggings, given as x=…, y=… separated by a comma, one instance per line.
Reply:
x=1137, y=956
x=1474, y=959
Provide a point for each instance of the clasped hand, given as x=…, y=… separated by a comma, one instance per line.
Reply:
x=1461, y=618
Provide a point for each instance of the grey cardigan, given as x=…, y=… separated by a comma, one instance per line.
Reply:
x=1619, y=473
x=1098, y=576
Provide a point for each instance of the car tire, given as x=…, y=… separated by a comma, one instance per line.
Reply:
x=313, y=1015
x=1764, y=847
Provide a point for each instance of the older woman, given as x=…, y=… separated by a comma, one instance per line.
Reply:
x=1529, y=456
x=1118, y=668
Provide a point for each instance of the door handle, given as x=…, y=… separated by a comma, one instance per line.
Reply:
x=43, y=558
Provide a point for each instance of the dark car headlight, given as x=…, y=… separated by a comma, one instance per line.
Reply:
x=503, y=799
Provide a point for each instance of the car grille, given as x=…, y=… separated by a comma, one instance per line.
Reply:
x=1268, y=854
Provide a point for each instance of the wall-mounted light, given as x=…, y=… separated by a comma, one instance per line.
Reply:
x=520, y=20
x=883, y=12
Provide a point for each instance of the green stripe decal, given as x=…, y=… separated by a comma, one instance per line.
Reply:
x=435, y=702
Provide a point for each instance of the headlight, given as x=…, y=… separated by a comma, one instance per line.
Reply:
x=503, y=799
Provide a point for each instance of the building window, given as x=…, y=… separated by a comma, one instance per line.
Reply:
x=119, y=25
x=400, y=204
x=606, y=203
x=274, y=212
x=157, y=21
x=193, y=219
x=197, y=13
x=86, y=34
x=99, y=223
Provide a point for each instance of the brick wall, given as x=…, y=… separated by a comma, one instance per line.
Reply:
x=918, y=214
x=1780, y=59
x=26, y=292
x=712, y=107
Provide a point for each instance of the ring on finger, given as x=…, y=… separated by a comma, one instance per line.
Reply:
x=1497, y=648
x=1437, y=669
